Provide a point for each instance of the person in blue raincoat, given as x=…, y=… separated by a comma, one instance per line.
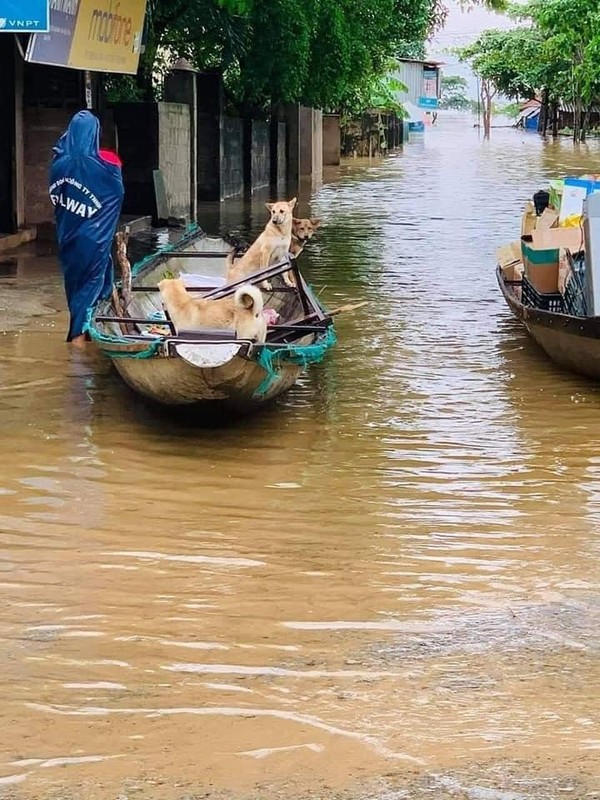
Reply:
x=86, y=190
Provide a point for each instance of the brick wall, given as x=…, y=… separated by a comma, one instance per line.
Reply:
x=42, y=128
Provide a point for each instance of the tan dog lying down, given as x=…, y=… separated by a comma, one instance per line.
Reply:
x=271, y=247
x=242, y=313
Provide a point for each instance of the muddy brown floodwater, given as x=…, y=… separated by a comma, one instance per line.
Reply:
x=387, y=586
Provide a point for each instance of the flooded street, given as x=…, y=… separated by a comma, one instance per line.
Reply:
x=386, y=586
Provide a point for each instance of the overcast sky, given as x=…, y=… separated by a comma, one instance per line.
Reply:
x=461, y=28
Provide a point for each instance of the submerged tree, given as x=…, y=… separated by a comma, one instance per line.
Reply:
x=554, y=55
x=571, y=33
x=454, y=93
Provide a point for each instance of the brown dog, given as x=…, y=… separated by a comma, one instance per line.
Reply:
x=241, y=313
x=302, y=231
x=272, y=245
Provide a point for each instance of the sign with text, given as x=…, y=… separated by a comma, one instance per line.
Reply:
x=429, y=98
x=95, y=35
x=24, y=16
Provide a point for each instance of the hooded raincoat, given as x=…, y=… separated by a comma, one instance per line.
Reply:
x=86, y=192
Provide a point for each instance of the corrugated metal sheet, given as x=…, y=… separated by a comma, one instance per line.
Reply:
x=411, y=73
x=570, y=108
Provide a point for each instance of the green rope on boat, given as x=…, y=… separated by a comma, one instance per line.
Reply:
x=115, y=339
x=271, y=359
x=112, y=338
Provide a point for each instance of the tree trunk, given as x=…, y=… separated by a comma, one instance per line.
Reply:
x=488, y=93
x=555, y=119
x=586, y=123
x=577, y=119
x=544, y=113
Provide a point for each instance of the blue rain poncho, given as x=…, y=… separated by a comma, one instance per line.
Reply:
x=86, y=192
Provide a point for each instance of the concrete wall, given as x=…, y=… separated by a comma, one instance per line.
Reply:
x=209, y=98
x=232, y=158
x=278, y=156
x=260, y=156
x=290, y=115
x=180, y=87
x=305, y=120
x=317, y=145
x=8, y=211
x=174, y=156
x=42, y=128
x=154, y=136
x=331, y=140
x=311, y=142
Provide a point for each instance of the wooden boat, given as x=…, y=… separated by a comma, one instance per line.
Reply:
x=572, y=340
x=183, y=368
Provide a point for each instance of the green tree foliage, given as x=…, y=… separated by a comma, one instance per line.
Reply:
x=571, y=33
x=554, y=54
x=511, y=60
x=454, y=93
x=325, y=53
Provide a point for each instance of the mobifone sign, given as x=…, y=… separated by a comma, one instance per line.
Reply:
x=95, y=35
x=24, y=16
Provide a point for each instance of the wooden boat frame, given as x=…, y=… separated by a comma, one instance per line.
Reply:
x=571, y=342
x=183, y=368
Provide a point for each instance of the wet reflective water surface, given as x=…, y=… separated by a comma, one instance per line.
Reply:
x=392, y=575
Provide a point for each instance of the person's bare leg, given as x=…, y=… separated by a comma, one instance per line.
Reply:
x=79, y=341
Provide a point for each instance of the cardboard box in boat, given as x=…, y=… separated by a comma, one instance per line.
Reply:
x=548, y=219
x=540, y=265
x=541, y=255
x=529, y=220
x=510, y=261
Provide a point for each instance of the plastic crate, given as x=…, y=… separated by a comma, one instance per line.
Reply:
x=545, y=302
x=575, y=302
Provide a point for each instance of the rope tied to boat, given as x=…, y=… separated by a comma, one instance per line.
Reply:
x=115, y=339
x=272, y=359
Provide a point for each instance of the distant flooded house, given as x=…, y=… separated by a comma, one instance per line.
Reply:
x=531, y=111
x=423, y=81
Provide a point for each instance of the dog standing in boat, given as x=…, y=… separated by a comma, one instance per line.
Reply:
x=271, y=247
x=242, y=313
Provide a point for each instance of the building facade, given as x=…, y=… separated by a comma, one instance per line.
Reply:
x=423, y=83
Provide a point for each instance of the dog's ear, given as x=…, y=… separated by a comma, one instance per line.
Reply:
x=269, y=206
x=316, y=223
x=292, y=203
x=295, y=221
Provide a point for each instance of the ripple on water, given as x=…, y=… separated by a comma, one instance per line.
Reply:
x=398, y=561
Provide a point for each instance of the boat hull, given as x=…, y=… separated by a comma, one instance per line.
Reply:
x=174, y=381
x=571, y=342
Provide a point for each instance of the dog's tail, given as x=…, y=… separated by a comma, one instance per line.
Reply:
x=250, y=297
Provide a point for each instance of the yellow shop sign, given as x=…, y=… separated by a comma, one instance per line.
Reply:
x=97, y=35
x=108, y=35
